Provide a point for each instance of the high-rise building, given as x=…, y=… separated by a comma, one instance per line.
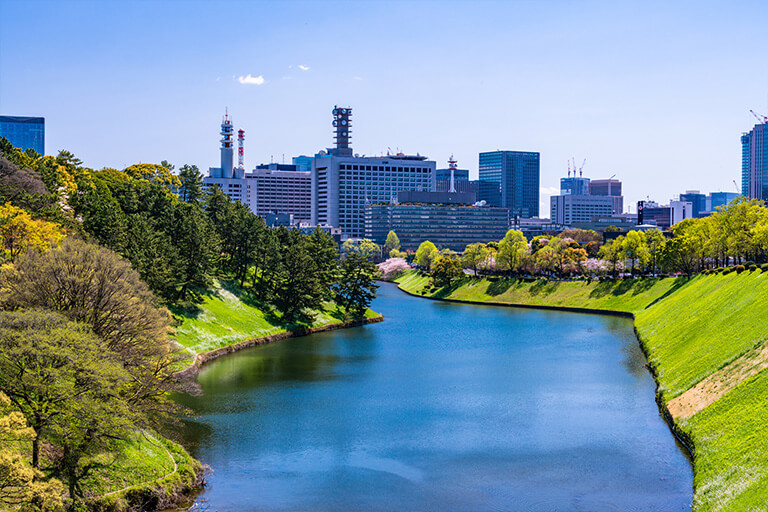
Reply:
x=447, y=219
x=609, y=187
x=576, y=186
x=698, y=202
x=343, y=183
x=24, y=132
x=754, y=162
x=510, y=179
x=273, y=191
x=718, y=199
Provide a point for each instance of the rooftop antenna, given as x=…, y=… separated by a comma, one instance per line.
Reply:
x=569, y=168
x=452, y=167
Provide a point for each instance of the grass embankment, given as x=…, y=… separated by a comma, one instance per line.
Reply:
x=229, y=315
x=705, y=338
x=148, y=472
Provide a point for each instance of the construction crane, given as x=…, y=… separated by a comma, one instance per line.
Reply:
x=582, y=166
x=763, y=119
x=738, y=190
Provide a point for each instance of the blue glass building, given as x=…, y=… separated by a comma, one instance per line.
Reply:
x=510, y=179
x=698, y=202
x=754, y=163
x=24, y=132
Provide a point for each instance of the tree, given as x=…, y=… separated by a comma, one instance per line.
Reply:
x=19, y=232
x=445, y=271
x=474, y=255
x=191, y=184
x=23, y=187
x=512, y=250
x=392, y=243
x=654, y=240
x=298, y=290
x=364, y=247
x=634, y=248
x=95, y=286
x=325, y=252
x=356, y=287
x=611, y=252
x=198, y=247
x=426, y=254
x=22, y=487
x=392, y=268
x=155, y=173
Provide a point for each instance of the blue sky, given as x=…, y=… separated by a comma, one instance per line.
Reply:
x=657, y=93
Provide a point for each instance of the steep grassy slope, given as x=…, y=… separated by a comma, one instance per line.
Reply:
x=229, y=315
x=691, y=329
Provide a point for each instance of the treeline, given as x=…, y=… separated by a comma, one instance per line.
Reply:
x=735, y=235
x=91, y=260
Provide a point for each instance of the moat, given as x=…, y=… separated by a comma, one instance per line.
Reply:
x=440, y=407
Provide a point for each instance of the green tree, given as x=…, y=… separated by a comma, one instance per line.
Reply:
x=325, y=253
x=156, y=173
x=298, y=290
x=364, y=247
x=635, y=249
x=356, y=287
x=426, y=254
x=611, y=252
x=474, y=255
x=191, y=184
x=654, y=241
x=198, y=247
x=512, y=251
x=392, y=243
x=445, y=271
x=95, y=286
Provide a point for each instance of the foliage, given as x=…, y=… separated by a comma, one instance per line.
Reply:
x=190, y=184
x=445, y=271
x=364, y=247
x=426, y=254
x=298, y=288
x=22, y=487
x=93, y=285
x=19, y=232
x=392, y=243
x=356, y=287
x=513, y=249
x=474, y=255
x=159, y=174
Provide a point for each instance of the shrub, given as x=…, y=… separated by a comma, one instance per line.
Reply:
x=764, y=266
x=739, y=269
x=728, y=270
x=752, y=267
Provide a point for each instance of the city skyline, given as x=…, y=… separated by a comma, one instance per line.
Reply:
x=656, y=94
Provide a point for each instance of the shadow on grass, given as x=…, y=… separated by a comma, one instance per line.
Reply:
x=498, y=287
x=445, y=291
x=679, y=282
x=544, y=287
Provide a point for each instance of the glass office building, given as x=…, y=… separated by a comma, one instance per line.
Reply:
x=510, y=179
x=754, y=163
x=24, y=132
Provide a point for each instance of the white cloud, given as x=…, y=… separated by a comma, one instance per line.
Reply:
x=303, y=68
x=251, y=80
x=357, y=78
x=549, y=191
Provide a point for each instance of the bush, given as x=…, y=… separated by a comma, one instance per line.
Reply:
x=728, y=270
x=752, y=267
x=739, y=269
x=764, y=266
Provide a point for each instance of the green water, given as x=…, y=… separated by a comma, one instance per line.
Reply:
x=441, y=407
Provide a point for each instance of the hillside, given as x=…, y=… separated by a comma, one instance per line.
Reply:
x=230, y=315
x=705, y=339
